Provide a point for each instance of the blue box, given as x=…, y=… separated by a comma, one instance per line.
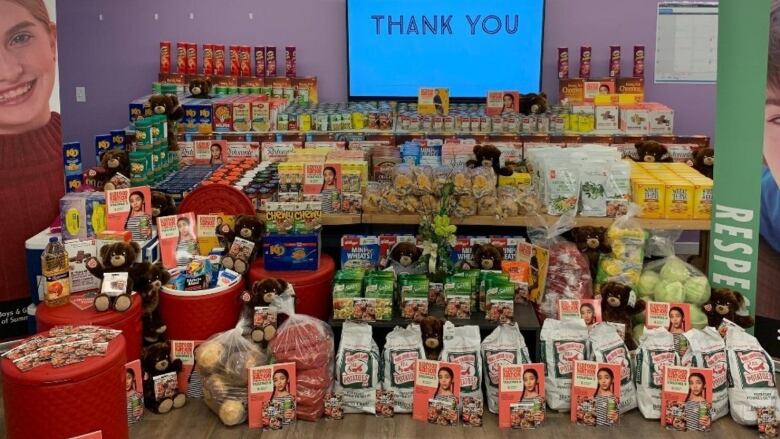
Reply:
x=205, y=119
x=119, y=140
x=291, y=252
x=139, y=109
x=358, y=251
x=102, y=144
x=71, y=153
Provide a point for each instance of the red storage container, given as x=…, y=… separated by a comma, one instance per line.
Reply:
x=197, y=315
x=69, y=401
x=129, y=322
x=312, y=288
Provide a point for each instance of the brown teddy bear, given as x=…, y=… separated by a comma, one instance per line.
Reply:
x=591, y=242
x=162, y=204
x=262, y=293
x=169, y=106
x=615, y=308
x=487, y=257
x=404, y=257
x=250, y=228
x=200, y=88
x=704, y=161
x=149, y=288
x=118, y=257
x=155, y=361
x=114, y=162
x=489, y=156
x=532, y=103
x=652, y=152
x=726, y=303
x=432, y=329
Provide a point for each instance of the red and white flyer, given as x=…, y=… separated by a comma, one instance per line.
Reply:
x=130, y=209
x=686, y=398
x=521, y=402
x=595, y=394
x=272, y=396
x=585, y=309
x=178, y=240
x=212, y=152
x=675, y=317
x=436, y=392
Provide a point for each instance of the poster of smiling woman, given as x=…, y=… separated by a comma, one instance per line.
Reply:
x=31, y=164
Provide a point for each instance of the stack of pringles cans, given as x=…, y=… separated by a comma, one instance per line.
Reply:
x=614, y=62
x=232, y=60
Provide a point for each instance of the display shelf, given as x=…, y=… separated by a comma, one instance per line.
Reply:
x=524, y=316
x=524, y=221
x=341, y=219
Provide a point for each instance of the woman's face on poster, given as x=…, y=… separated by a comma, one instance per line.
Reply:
x=772, y=132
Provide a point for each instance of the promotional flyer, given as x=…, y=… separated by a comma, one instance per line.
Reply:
x=595, y=394
x=178, y=240
x=130, y=209
x=585, y=309
x=135, y=391
x=686, y=399
x=436, y=392
x=272, y=396
x=207, y=230
x=521, y=402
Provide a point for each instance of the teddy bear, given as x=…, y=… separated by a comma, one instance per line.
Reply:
x=404, y=257
x=200, y=88
x=169, y=106
x=432, y=330
x=156, y=361
x=162, y=204
x=652, y=152
x=262, y=293
x=616, y=307
x=704, y=161
x=591, y=242
x=726, y=303
x=486, y=155
x=225, y=234
x=487, y=256
x=149, y=287
x=250, y=228
x=114, y=162
x=118, y=257
x=532, y=103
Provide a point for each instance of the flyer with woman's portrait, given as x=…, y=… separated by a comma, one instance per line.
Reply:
x=595, y=394
x=272, y=396
x=436, y=392
x=521, y=403
x=130, y=209
x=178, y=239
x=588, y=310
x=686, y=399
x=675, y=317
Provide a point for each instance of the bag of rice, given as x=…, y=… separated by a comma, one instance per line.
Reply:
x=505, y=345
x=751, y=377
x=562, y=343
x=357, y=368
x=656, y=350
x=403, y=347
x=707, y=349
x=461, y=346
x=606, y=346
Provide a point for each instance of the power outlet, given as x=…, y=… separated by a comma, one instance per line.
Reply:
x=81, y=94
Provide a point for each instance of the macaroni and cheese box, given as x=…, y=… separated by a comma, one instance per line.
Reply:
x=291, y=252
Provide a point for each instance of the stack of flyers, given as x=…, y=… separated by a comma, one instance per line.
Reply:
x=385, y=403
x=62, y=346
x=471, y=411
x=334, y=406
x=767, y=422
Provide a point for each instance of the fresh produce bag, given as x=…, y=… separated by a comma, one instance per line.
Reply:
x=358, y=368
x=627, y=241
x=751, y=377
x=656, y=350
x=562, y=343
x=505, y=345
x=461, y=346
x=403, y=347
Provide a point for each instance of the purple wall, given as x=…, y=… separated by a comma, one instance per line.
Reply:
x=116, y=59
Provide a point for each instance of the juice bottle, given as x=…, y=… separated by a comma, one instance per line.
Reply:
x=54, y=264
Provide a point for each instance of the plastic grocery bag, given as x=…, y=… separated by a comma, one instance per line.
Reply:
x=707, y=349
x=656, y=350
x=751, y=377
x=606, y=346
x=568, y=270
x=505, y=345
x=308, y=342
x=358, y=368
x=627, y=240
x=562, y=343
x=223, y=362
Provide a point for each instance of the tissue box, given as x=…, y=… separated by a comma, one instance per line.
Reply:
x=291, y=252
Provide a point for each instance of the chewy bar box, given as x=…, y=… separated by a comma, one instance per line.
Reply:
x=359, y=252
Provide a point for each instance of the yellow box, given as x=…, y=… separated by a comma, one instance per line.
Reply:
x=649, y=194
x=678, y=200
x=702, y=200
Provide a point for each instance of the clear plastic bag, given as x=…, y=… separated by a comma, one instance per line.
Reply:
x=627, y=240
x=483, y=181
x=308, y=342
x=223, y=362
x=673, y=280
x=568, y=271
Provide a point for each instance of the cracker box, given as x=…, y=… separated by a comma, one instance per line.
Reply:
x=595, y=394
x=572, y=91
x=679, y=198
x=359, y=252
x=243, y=150
x=242, y=114
x=261, y=115
x=272, y=396
x=436, y=392
x=130, y=209
x=649, y=193
x=178, y=240
x=686, y=398
x=607, y=117
x=291, y=252
x=80, y=278
x=521, y=402
x=634, y=119
x=433, y=100
x=702, y=198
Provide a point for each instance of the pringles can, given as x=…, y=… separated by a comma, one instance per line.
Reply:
x=290, y=62
x=563, y=63
x=245, y=68
x=585, y=57
x=165, y=57
x=234, y=60
x=208, y=59
x=639, y=61
x=219, y=59
x=192, y=58
x=270, y=61
x=260, y=61
x=181, y=57
x=614, y=61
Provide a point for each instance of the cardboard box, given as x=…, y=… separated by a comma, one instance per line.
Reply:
x=631, y=86
x=634, y=119
x=599, y=87
x=78, y=252
x=572, y=90
x=607, y=117
x=661, y=119
x=291, y=252
x=83, y=215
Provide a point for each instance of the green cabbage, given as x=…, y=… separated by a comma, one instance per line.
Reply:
x=675, y=270
x=647, y=282
x=671, y=292
x=697, y=290
x=698, y=318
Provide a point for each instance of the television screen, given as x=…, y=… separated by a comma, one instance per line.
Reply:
x=397, y=46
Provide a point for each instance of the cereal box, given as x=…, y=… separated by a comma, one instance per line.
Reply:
x=359, y=252
x=686, y=398
x=595, y=394
x=436, y=392
x=272, y=396
x=572, y=91
x=631, y=86
x=521, y=401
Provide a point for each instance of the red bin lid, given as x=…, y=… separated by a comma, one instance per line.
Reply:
x=71, y=315
x=217, y=198
x=298, y=278
x=46, y=374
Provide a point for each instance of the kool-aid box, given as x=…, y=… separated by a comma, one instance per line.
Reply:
x=291, y=252
x=359, y=252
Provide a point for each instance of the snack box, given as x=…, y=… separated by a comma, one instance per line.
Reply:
x=242, y=114
x=306, y=89
x=261, y=114
x=661, y=119
x=222, y=109
x=702, y=198
x=649, y=194
x=607, y=117
x=139, y=109
x=291, y=252
x=678, y=201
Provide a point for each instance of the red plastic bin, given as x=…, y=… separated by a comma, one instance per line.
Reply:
x=312, y=288
x=73, y=400
x=129, y=322
x=197, y=315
